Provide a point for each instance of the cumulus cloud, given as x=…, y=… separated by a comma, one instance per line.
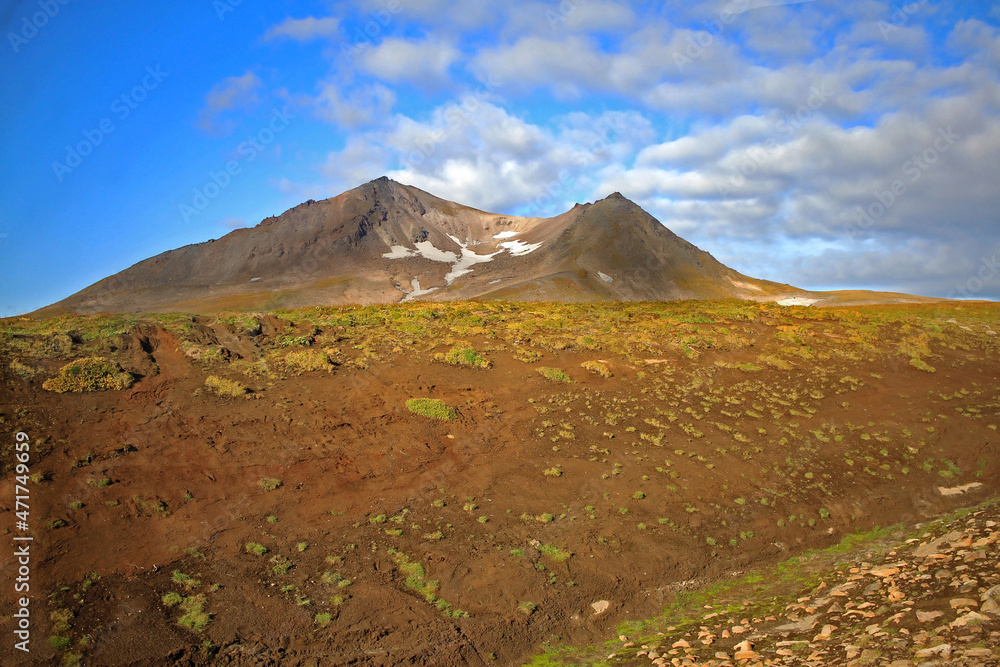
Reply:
x=416, y=62
x=302, y=30
x=817, y=143
x=362, y=105
x=235, y=92
x=473, y=151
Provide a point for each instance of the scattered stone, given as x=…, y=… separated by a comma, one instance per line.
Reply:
x=600, y=607
x=943, y=650
x=963, y=602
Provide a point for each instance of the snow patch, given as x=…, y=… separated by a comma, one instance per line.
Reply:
x=505, y=235
x=462, y=263
x=605, y=277
x=797, y=301
x=518, y=248
x=427, y=249
x=399, y=252
x=415, y=284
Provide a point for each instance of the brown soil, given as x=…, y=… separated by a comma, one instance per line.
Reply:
x=362, y=480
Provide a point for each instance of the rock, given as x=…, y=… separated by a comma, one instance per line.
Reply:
x=600, y=607
x=963, y=602
x=680, y=643
x=928, y=616
x=806, y=624
x=943, y=650
x=971, y=617
x=883, y=572
x=977, y=653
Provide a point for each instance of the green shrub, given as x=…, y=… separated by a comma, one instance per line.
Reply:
x=172, y=599
x=323, y=618
x=288, y=341
x=597, y=368
x=57, y=643
x=185, y=580
x=224, y=387
x=431, y=407
x=555, y=553
x=464, y=356
x=256, y=548
x=23, y=370
x=89, y=374
x=270, y=483
x=195, y=617
x=554, y=374
x=307, y=360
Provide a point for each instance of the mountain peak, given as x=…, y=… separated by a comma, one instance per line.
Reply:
x=385, y=241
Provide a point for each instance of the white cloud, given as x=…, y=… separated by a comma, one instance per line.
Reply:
x=302, y=30
x=400, y=60
x=232, y=93
x=595, y=15
x=362, y=105
x=759, y=139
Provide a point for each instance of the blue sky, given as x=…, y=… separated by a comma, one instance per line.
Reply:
x=824, y=144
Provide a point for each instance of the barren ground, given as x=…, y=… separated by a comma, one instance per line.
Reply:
x=700, y=441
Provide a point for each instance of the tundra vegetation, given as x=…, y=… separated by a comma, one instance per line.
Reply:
x=497, y=464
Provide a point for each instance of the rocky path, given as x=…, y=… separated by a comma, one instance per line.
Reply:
x=932, y=600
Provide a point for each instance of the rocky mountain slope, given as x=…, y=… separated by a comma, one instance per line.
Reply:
x=385, y=242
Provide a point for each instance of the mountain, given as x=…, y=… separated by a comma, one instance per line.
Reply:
x=384, y=242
